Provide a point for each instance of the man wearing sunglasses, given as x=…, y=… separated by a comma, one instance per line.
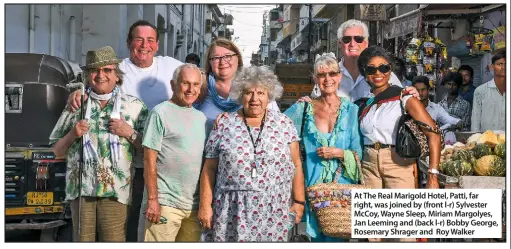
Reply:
x=353, y=38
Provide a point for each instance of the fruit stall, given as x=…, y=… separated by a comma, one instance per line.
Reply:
x=482, y=154
x=478, y=161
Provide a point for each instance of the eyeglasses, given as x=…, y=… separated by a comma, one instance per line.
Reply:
x=383, y=68
x=347, y=39
x=323, y=75
x=226, y=58
x=105, y=70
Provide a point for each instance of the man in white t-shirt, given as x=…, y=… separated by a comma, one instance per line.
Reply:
x=146, y=77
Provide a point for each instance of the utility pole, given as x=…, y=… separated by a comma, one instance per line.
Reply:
x=310, y=34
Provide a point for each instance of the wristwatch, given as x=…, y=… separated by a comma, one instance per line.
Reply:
x=433, y=171
x=134, y=136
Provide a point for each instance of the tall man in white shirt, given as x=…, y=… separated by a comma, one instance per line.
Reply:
x=489, y=106
x=147, y=77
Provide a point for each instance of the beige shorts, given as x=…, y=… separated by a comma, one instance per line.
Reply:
x=384, y=168
x=182, y=225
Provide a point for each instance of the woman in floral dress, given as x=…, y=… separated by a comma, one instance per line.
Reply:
x=253, y=164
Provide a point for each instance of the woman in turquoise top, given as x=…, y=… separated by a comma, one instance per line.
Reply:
x=330, y=136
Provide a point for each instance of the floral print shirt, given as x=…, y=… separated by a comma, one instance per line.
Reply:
x=101, y=179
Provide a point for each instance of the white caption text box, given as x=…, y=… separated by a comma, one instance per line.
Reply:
x=426, y=213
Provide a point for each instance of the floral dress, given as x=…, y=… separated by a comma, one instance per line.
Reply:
x=247, y=205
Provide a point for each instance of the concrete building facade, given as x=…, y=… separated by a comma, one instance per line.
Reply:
x=70, y=30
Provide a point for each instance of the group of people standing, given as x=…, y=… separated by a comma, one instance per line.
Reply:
x=465, y=107
x=174, y=152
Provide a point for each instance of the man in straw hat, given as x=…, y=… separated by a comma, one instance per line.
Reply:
x=111, y=130
x=146, y=76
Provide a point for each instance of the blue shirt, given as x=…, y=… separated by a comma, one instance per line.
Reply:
x=347, y=137
x=468, y=95
x=211, y=111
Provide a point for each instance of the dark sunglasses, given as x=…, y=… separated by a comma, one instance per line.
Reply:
x=383, y=68
x=323, y=75
x=347, y=39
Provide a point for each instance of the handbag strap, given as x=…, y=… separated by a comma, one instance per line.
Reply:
x=306, y=104
x=302, y=147
x=338, y=172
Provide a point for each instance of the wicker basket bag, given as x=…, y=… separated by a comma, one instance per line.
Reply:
x=332, y=204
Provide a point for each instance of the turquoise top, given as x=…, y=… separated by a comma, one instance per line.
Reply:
x=345, y=135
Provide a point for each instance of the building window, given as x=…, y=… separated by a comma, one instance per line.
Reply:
x=273, y=34
x=274, y=15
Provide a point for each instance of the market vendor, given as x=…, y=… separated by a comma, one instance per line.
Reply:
x=489, y=107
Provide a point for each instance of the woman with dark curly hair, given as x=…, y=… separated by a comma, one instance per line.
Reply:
x=382, y=167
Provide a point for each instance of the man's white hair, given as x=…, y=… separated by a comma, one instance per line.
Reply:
x=350, y=24
x=177, y=72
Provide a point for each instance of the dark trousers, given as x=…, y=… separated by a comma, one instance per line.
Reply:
x=136, y=201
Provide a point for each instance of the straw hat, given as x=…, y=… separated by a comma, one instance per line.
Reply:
x=101, y=57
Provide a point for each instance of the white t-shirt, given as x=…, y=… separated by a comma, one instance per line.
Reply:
x=151, y=84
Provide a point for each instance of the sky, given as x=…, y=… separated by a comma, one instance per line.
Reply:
x=247, y=26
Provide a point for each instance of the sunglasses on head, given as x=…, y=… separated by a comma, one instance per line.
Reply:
x=347, y=39
x=383, y=68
